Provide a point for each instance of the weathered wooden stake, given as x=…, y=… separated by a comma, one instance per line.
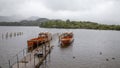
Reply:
x=17, y=62
x=9, y=64
x=34, y=61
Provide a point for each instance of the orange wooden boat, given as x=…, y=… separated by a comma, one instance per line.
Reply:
x=41, y=39
x=66, y=38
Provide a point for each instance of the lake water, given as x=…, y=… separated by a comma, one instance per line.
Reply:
x=90, y=49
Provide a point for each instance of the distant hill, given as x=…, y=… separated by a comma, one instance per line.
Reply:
x=39, y=20
x=18, y=19
x=32, y=18
x=32, y=21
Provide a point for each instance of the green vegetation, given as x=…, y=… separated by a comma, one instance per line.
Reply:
x=78, y=24
x=46, y=23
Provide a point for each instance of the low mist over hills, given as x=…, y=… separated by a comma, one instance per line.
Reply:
x=33, y=18
x=17, y=18
x=10, y=18
x=17, y=21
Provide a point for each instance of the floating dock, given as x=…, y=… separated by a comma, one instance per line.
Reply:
x=34, y=61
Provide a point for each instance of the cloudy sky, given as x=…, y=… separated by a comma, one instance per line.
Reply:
x=102, y=11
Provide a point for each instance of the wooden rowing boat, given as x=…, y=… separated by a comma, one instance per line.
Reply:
x=66, y=38
x=41, y=39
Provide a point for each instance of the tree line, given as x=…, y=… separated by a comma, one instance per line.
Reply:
x=78, y=24
x=46, y=23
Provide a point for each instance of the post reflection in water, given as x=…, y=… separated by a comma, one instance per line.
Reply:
x=2, y=36
x=14, y=34
x=11, y=35
x=6, y=35
x=46, y=62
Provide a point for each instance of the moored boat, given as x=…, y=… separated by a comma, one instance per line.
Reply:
x=42, y=38
x=66, y=38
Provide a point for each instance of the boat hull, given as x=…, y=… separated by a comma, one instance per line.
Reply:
x=35, y=42
x=66, y=39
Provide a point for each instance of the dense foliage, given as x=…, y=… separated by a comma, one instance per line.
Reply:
x=46, y=23
x=78, y=24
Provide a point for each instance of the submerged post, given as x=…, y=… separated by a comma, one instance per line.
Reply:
x=24, y=56
x=45, y=49
x=17, y=62
x=49, y=45
x=9, y=64
x=37, y=43
x=34, y=61
x=42, y=48
x=23, y=53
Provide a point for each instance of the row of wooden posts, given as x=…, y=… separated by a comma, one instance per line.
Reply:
x=11, y=34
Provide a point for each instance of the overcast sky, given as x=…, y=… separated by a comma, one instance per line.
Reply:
x=101, y=11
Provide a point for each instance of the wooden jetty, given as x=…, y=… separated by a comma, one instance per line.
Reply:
x=33, y=61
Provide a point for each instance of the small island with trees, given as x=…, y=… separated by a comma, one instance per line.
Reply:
x=50, y=23
x=78, y=25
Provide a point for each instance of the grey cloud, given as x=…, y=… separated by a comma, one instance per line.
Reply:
x=9, y=7
x=103, y=11
x=72, y=5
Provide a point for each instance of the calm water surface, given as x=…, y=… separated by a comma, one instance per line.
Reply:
x=90, y=49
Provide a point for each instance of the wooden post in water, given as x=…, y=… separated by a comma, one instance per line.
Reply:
x=17, y=61
x=49, y=45
x=32, y=48
x=45, y=49
x=34, y=61
x=25, y=63
x=23, y=53
x=6, y=35
x=9, y=64
x=42, y=48
x=2, y=36
x=49, y=49
x=24, y=57
x=37, y=43
x=30, y=56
